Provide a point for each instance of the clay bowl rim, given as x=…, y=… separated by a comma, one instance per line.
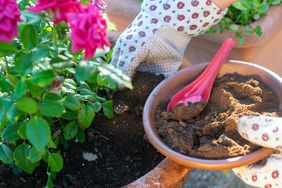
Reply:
x=191, y=162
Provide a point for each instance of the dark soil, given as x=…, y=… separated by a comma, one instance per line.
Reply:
x=123, y=155
x=213, y=133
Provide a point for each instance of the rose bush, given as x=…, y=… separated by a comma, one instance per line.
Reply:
x=49, y=95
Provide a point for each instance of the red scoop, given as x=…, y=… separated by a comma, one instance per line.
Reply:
x=200, y=89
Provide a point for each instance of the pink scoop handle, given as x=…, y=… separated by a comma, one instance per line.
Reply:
x=200, y=88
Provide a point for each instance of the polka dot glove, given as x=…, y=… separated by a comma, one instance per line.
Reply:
x=267, y=132
x=156, y=40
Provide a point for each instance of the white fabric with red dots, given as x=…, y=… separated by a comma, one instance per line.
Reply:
x=267, y=132
x=160, y=33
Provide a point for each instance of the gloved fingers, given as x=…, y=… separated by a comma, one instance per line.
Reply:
x=268, y=175
x=261, y=130
x=165, y=53
x=129, y=61
x=131, y=43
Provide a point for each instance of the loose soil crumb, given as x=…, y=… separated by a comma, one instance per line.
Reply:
x=213, y=133
x=182, y=113
x=122, y=153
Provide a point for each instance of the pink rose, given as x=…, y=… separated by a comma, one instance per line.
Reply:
x=88, y=30
x=9, y=17
x=60, y=8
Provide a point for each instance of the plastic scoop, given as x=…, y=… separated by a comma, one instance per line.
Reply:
x=192, y=99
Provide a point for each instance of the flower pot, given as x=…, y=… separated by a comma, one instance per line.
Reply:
x=263, y=51
x=167, y=174
x=171, y=85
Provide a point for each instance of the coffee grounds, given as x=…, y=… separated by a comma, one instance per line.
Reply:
x=213, y=133
x=182, y=112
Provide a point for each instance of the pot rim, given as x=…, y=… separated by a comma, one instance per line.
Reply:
x=207, y=164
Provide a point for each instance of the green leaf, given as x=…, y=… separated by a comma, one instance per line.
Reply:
x=13, y=114
x=30, y=17
x=23, y=63
x=86, y=116
x=108, y=109
x=10, y=133
x=241, y=40
x=71, y=102
x=69, y=115
x=27, y=105
x=52, y=97
x=51, y=108
x=70, y=131
x=7, y=49
x=60, y=62
x=83, y=71
x=258, y=31
x=116, y=74
x=110, y=84
x=40, y=53
x=52, y=144
x=5, y=86
x=249, y=30
x=43, y=78
x=93, y=77
x=69, y=86
x=21, y=158
x=97, y=106
x=38, y=133
x=12, y=79
x=55, y=161
x=35, y=155
x=71, y=82
x=238, y=5
x=6, y=154
x=234, y=27
x=106, y=81
x=256, y=16
x=80, y=136
x=35, y=90
x=21, y=88
x=101, y=80
x=275, y=2
x=29, y=37
x=21, y=130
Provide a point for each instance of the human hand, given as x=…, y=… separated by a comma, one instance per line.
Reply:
x=160, y=33
x=267, y=132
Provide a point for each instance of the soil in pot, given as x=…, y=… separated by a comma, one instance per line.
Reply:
x=213, y=133
x=115, y=152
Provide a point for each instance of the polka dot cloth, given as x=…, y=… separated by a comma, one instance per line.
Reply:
x=267, y=132
x=163, y=28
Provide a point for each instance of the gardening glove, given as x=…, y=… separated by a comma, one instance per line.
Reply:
x=156, y=40
x=267, y=132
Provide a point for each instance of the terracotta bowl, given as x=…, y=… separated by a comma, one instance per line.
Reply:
x=166, y=89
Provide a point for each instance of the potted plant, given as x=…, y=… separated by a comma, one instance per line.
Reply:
x=58, y=98
x=203, y=142
x=255, y=26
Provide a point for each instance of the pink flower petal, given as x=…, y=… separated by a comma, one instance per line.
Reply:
x=9, y=16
